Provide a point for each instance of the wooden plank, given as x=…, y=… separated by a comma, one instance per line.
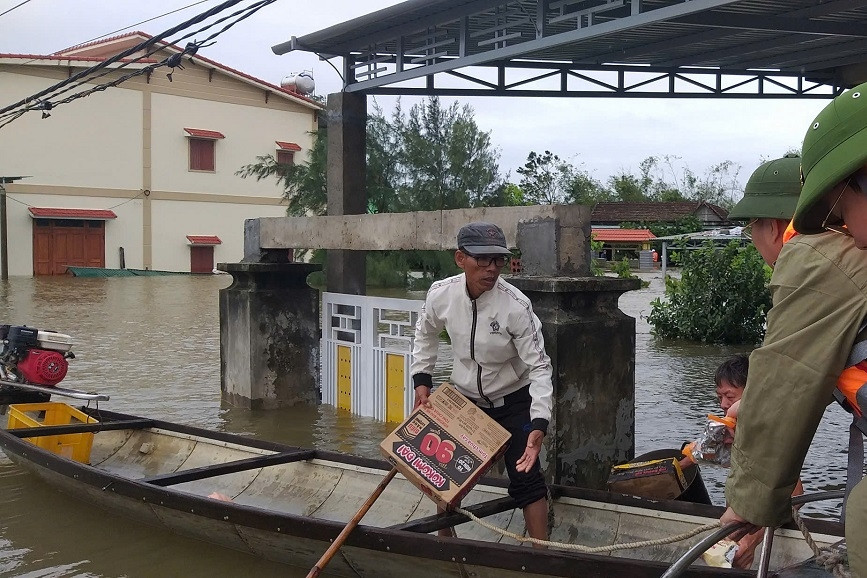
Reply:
x=50, y=430
x=441, y=521
x=228, y=468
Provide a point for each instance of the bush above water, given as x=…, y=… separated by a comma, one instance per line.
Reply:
x=721, y=297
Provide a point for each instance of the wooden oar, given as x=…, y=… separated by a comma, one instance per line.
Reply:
x=350, y=526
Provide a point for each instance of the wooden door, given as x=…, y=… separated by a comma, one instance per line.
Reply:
x=201, y=259
x=59, y=243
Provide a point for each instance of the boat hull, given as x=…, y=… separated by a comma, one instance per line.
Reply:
x=289, y=509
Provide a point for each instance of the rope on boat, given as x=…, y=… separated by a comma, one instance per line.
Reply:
x=589, y=549
x=834, y=562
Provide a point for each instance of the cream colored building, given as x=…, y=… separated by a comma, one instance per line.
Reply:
x=141, y=175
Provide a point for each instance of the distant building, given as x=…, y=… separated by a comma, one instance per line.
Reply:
x=619, y=243
x=142, y=175
x=613, y=214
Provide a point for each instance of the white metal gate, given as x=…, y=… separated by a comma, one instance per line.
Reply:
x=366, y=351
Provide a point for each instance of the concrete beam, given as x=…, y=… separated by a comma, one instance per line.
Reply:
x=424, y=231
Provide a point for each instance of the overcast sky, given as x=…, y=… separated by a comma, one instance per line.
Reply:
x=602, y=136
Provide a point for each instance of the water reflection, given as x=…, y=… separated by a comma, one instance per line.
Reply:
x=152, y=343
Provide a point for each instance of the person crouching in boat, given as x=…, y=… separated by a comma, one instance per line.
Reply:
x=819, y=292
x=730, y=379
x=500, y=361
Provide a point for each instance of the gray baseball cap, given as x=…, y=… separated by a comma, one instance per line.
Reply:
x=482, y=239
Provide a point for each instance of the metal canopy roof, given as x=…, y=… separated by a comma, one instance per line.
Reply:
x=680, y=48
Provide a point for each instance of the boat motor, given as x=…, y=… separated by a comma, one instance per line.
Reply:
x=33, y=356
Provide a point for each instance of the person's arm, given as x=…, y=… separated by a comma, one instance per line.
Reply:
x=811, y=327
x=530, y=346
x=747, y=545
x=424, y=352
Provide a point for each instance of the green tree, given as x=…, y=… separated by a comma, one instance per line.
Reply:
x=583, y=189
x=446, y=162
x=665, y=179
x=505, y=195
x=303, y=184
x=545, y=178
x=721, y=297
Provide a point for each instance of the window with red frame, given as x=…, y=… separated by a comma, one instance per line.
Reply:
x=202, y=154
x=285, y=157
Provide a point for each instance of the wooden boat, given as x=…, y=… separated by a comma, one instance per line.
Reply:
x=287, y=503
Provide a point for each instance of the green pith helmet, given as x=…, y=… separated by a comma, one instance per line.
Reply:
x=835, y=146
x=772, y=191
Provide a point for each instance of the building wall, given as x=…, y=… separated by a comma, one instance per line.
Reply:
x=173, y=221
x=93, y=142
x=249, y=131
x=125, y=149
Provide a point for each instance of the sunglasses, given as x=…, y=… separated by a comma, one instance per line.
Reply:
x=836, y=227
x=486, y=260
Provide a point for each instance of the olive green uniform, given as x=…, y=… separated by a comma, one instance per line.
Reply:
x=819, y=289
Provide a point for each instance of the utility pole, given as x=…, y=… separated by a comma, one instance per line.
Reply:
x=4, y=247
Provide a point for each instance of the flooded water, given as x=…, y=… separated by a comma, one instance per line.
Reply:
x=152, y=343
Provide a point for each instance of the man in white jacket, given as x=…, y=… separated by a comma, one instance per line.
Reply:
x=499, y=358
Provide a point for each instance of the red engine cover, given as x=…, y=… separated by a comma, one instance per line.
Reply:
x=43, y=367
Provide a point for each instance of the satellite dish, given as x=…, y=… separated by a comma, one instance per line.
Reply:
x=302, y=82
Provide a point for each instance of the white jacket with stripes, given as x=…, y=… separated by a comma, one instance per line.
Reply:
x=496, y=342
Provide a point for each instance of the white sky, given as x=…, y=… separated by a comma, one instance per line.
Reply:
x=601, y=136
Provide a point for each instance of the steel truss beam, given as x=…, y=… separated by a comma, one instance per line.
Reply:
x=501, y=31
x=549, y=80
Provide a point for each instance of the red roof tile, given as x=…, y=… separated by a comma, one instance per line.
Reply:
x=202, y=133
x=204, y=240
x=288, y=146
x=54, y=213
x=622, y=235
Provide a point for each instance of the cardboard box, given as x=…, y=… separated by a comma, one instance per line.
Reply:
x=446, y=448
x=659, y=479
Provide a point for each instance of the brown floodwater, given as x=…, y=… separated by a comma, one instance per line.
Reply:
x=152, y=343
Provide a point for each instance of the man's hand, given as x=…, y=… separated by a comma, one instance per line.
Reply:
x=731, y=516
x=746, y=550
x=534, y=446
x=422, y=393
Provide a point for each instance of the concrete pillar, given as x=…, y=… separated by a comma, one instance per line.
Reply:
x=346, y=114
x=591, y=344
x=269, y=335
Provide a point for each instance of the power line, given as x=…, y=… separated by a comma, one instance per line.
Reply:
x=175, y=60
x=136, y=24
x=120, y=56
x=124, y=28
x=14, y=7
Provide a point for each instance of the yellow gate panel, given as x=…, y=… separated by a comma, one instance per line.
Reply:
x=394, y=387
x=344, y=377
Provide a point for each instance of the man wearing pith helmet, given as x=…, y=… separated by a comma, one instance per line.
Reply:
x=769, y=203
x=834, y=171
x=819, y=290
